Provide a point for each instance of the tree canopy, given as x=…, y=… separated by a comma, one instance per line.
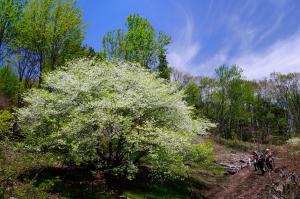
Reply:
x=49, y=33
x=8, y=82
x=138, y=43
x=115, y=115
x=192, y=94
x=263, y=110
x=9, y=15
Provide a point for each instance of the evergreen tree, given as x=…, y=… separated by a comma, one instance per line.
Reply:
x=8, y=82
x=163, y=69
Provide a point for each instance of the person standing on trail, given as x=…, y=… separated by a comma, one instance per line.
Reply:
x=268, y=155
x=261, y=162
x=254, y=158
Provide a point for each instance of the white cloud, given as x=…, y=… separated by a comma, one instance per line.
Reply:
x=244, y=32
x=207, y=68
x=282, y=56
x=185, y=47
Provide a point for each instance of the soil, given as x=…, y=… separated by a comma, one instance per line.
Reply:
x=246, y=183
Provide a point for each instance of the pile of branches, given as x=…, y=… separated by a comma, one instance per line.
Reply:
x=287, y=186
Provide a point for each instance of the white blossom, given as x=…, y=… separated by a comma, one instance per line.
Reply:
x=89, y=106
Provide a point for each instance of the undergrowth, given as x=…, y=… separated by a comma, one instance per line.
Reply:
x=27, y=174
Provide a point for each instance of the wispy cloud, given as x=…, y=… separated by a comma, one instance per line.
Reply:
x=282, y=56
x=272, y=28
x=279, y=3
x=244, y=32
x=185, y=47
x=251, y=45
x=207, y=67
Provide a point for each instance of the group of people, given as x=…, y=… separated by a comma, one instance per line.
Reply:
x=262, y=160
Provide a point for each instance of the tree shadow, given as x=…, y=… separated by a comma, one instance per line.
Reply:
x=82, y=182
x=70, y=182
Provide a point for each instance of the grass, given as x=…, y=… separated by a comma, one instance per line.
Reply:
x=28, y=176
x=236, y=144
x=216, y=170
x=163, y=191
x=25, y=174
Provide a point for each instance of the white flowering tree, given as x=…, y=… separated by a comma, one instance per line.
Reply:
x=114, y=115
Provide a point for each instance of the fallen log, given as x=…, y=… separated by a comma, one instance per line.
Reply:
x=232, y=169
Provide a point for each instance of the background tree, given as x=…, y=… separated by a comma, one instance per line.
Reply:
x=49, y=32
x=138, y=43
x=9, y=15
x=163, y=69
x=181, y=78
x=226, y=78
x=265, y=110
x=207, y=87
x=192, y=93
x=8, y=82
x=285, y=91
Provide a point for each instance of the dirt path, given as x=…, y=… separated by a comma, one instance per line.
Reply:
x=282, y=182
x=246, y=184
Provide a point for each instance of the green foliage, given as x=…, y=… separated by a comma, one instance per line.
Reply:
x=15, y=163
x=285, y=90
x=201, y=154
x=51, y=31
x=228, y=97
x=163, y=69
x=199, y=158
x=114, y=115
x=236, y=144
x=294, y=143
x=138, y=44
x=6, y=123
x=8, y=82
x=265, y=111
x=279, y=140
x=192, y=92
x=171, y=191
x=9, y=14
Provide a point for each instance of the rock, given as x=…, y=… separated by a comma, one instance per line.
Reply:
x=279, y=188
x=232, y=171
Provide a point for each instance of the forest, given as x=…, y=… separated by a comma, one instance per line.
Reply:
x=122, y=122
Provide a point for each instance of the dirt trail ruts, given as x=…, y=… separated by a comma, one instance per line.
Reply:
x=247, y=184
x=250, y=184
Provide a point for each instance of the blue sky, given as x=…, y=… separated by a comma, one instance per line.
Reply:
x=261, y=36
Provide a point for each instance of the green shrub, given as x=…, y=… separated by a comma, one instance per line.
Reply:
x=279, y=140
x=15, y=162
x=294, y=143
x=6, y=122
x=236, y=144
x=8, y=82
x=201, y=154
